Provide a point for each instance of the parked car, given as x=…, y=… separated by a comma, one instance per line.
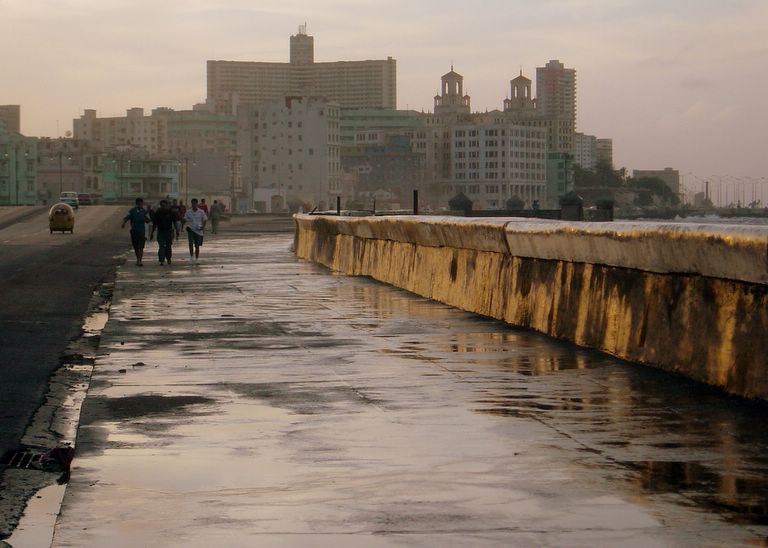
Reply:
x=69, y=197
x=85, y=199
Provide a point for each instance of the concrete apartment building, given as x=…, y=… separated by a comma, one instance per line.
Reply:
x=494, y=162
x=604, y=151
x=355, y=122
x=18, y=169
x=165, y=131
x=202, y=143
x=385, y=168
x=352, y=84
x=556, y=103
x=292, y=149
x=133, y=129
x=10, y=118
x=585, y=150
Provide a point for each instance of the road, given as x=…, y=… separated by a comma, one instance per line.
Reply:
x=46, y=283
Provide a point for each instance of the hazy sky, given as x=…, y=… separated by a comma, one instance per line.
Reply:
x=680, y=83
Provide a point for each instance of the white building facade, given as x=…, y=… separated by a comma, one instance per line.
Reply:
x=492, y=163
x=585, y=150
x=294, y=153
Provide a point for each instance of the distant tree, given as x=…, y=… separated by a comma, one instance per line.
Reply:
x=657, y=190
x=357, y=204
x=515, y=203
x=460, y=202
x=602, y=176
x=644, y=198
x=294, y=203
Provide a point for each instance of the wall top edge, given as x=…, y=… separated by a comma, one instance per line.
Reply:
x=548, y=226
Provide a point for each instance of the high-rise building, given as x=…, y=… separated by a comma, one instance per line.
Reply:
x=556, y=90
x=556, y=103
x=10, y=118
x=352, y=84
x=585, y=150
x=604, y=151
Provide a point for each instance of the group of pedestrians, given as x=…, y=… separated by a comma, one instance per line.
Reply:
x=167, y=221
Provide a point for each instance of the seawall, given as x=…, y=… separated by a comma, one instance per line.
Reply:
x=686, y=298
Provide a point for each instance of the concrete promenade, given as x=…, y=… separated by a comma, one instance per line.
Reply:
x=256, y=399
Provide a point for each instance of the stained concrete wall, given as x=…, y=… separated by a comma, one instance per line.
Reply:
x=686, y=298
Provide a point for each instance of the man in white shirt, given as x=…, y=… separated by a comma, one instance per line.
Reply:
x=195, y=219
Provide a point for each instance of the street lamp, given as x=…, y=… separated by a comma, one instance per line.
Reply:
x=61, y=169
x=684, y=190
x=184, y=180
x=233, y=176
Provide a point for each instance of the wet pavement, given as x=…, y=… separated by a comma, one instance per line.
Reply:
x=258, y=400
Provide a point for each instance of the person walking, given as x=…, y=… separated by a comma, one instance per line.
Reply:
x=182, y=211
x=165, y=223
x=215, y=216
x=138, y=218
x=202, y=205
x=176, y=210
x=151, y=215
x=195, y=220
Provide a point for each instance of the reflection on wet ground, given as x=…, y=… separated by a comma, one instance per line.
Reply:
x=674, y=436
x=267, y=400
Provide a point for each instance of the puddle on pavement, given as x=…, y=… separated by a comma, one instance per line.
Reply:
x=131, y=407
x=742, y=499
x=303, y=399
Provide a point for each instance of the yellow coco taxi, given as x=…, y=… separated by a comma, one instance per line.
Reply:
x=61, y=217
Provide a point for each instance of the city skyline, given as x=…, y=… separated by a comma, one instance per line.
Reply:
x=676, y=84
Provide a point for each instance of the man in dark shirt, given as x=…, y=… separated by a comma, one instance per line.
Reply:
x=165, y=224
x=139, y=219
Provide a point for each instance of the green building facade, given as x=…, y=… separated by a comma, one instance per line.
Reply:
x=18, y=169
x=362, y=119
x=125, y=179
x=560, y=179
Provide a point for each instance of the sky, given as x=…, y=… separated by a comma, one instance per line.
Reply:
x=674, y=83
